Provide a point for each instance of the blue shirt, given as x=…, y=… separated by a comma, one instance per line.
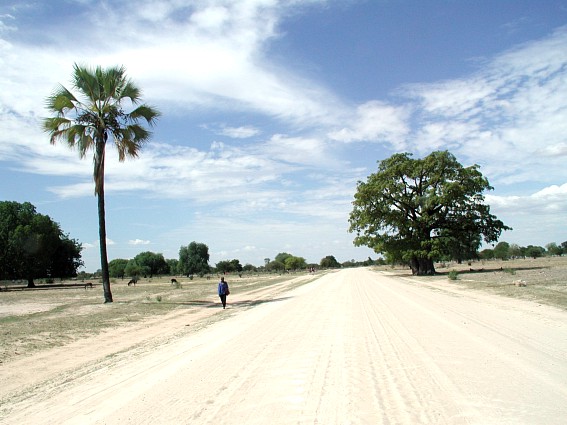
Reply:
x=223, y=288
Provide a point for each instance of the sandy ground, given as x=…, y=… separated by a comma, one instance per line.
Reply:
x=353, y=347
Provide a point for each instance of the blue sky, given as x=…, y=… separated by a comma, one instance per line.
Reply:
x=273, y=110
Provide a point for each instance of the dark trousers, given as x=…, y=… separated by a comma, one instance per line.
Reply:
x=223, y=300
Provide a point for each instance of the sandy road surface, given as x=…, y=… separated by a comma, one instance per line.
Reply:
x=353, y=347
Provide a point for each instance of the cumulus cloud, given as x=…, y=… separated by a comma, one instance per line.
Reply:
x=298, y=151
x=375, y=121
x=551, y=199
x=138, y=242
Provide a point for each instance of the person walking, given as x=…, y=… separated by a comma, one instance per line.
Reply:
x=223, y=291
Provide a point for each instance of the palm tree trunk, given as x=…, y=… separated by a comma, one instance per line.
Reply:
x=103, y=255
x=99, y=188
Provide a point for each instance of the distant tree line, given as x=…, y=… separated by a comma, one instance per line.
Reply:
x=33, y=246
x=506, y=251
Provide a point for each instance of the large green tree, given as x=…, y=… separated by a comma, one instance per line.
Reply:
x=275, y=266
x=329, y=262
x=502, y=251
x=295, y=263
x=152, y=263
x=116, y=267
x=194, y=259
x=94, y=115
x=226, y=266
x=33, y=246
x=282, y=256
x=173, y=265
x=416, y=210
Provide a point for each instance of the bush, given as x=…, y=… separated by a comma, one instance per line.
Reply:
x=453, y=275
x=510, y=271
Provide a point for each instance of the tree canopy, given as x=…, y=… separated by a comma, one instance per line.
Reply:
x=34, y=246
x=329, y=262
x=194, y=259
x=417, y=210
x=226, y=266
x=151, y=263
x=282, y=256
x=117, y=267
x=275, y=266
x=295, y=263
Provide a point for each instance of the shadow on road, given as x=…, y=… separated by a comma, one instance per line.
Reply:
x=217, y=304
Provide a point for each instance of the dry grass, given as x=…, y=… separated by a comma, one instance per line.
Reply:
x=545, y=278
x=32, y=320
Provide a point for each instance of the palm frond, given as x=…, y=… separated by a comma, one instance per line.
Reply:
x=61, y=100
x=130, y=140
x=84, y=80
x=81, y=137
x=130, y=91
x=139, y=134
x=115, y=80
x=100, y=113
x=127, y=148
x=55, y=124
x=146, y=112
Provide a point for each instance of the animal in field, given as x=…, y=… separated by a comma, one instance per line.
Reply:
x=88, y=285
x=132, y=282
x=173, y=281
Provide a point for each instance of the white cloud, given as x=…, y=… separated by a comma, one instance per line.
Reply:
x=375, y=121
x=547, y=201
x=243, y=132
x=4, y=26
x=555, y=150
x=299, y=151
x=138, y=242
x=509, y=116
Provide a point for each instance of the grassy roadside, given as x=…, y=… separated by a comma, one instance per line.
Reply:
x=545, y=279
x=38, y=319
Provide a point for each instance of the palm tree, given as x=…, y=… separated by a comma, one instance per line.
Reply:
x=96, y=116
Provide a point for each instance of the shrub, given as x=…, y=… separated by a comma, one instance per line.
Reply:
x=453, y=275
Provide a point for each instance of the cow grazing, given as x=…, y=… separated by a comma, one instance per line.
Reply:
x=132, y=282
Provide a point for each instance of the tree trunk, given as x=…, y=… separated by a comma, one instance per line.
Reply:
x=99, y=188
x=31, y=284
x=422, y=266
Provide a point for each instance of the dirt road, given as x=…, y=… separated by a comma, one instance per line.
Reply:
x=353, y=347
